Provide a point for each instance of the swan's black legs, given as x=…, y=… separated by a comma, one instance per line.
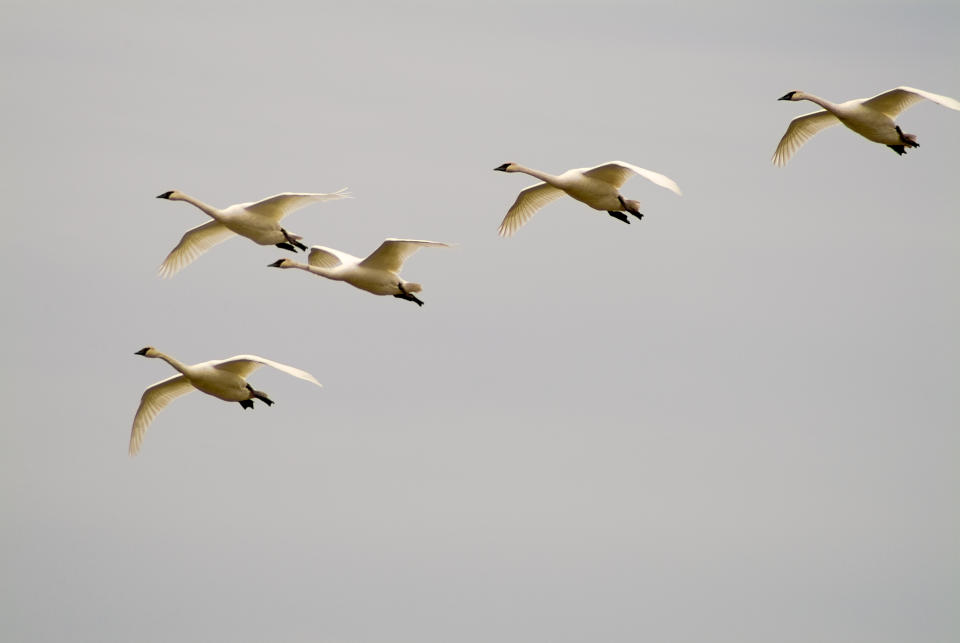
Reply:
x=908, y=141
x=619, y=215
x=408, y=296
x=260, y=395
x=247, y=404
x=632, y=210
x=291, y=241
x=285, y=246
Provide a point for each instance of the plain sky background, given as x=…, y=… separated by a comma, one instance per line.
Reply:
x=735, y=421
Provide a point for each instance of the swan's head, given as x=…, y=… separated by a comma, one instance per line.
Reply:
x=794, y=95
x=281, y=263
x=506, y=167
x=147, y=351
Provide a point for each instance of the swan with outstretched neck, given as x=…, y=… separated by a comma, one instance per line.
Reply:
x=224, y=379
x=379, y=273
x=598, y=187
x=871, y=118
x=258, y=221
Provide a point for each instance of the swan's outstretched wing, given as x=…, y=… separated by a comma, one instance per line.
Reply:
x=528, y=202
x=393, y=252
x=280, y=205
x=323, y=257
x=801, y=130
x=243, y=365
x=616, y=174
x=153, y=400
x=896, y=100
x=194, y=243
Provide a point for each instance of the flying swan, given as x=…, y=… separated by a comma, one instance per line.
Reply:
x=872, y=118
x=259, y=221
x=225, y=379
x=378, y=273
x=598, y=187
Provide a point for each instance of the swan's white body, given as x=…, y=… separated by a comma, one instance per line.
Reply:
x=259, y=222
x=225, y=379
x=872, y=118
x=379, y=273
x=598, y=187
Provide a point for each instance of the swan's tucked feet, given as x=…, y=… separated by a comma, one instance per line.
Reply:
x=260, y=395
x=408, y=296
x=292, y=240
x=910, y=140
x=619, y=215
x=285, y=246
x=630, y=206
x=247, y=404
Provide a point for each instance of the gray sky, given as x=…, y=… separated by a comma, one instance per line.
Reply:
x=734, y=421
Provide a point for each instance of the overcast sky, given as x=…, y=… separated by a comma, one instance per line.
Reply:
x=735, y=421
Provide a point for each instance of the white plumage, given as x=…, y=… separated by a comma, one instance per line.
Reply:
x=225, y=379
x=379, y=273
x=258, y=221
x=598, y=187
x=872, y=118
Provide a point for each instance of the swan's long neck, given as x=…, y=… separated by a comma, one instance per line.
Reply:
x=822, y=102
x=317, y=270
x=543, y=176
x=172, y=361
x=208, y=209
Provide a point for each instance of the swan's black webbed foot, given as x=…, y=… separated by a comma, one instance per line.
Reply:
x=898, y=149
x=409, y=297
x=909, y=140
x=406, y=295
x=627, y=205
x=286, y=246
x=292, y=240
x=619, y=215
x=247, y=404
x=260, y=395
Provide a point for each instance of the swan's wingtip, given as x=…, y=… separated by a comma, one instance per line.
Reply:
x=166, y=272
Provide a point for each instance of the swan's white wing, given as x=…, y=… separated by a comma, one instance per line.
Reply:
x=801, y=130
x=616, y=174
x=243, y=365
x=896, y=100
x=393, y=252
x=323, y=257
x=528, y=202
x=153, y=400
x=194, y=243
x=280, y=205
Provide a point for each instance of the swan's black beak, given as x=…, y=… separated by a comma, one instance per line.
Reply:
x=502, y=168
x=165, y=195
x=142, y=351
x=275, y=264
x=787, y=96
